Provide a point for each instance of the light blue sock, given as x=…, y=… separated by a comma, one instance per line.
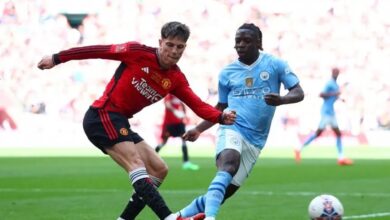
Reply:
x=309, y=140
x=216, y=192
x=339, y=148
x=195, y=207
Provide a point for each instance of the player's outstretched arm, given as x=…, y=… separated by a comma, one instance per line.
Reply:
x=227, y=118
x=46, y=62
x=294, y=95
x=191, y=135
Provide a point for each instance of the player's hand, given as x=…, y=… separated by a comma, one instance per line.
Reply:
x=228, y=118
x=191, y=135
x=273, y=99
x=46, y=63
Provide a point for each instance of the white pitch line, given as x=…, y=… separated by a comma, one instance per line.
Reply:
x=181, y=192
x=373, y=215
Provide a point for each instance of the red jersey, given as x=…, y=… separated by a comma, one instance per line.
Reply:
x=176, y=105
x=139, y=80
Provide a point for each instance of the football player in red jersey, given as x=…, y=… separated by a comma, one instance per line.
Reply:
x=174, y=126
x=144, y=76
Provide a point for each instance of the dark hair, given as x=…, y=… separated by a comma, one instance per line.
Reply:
x=175, y=29
x=256, y=30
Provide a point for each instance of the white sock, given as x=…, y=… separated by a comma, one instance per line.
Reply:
x=209, y=218
x=172, y=216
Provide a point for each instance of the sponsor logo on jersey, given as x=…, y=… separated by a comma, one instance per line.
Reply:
x=253, y=93
x=145, y=90
x=249, y=82
x=264, y=76
x=124, y=131
x=166, y=83
x=145, y=70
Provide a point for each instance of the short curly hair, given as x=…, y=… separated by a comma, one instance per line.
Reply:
x=256, y=30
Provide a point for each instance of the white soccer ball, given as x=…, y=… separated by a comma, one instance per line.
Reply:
x=326, y=207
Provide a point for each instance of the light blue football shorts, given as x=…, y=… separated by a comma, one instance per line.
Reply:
x=230, y=139
x=328, y=120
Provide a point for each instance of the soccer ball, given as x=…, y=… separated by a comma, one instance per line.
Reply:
x=326, y=207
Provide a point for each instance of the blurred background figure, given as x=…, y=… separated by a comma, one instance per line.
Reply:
x=174, y=126
x=330, y=95
x=7, y=101
x=6, y=120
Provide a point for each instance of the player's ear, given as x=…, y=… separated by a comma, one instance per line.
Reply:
x=258, y=44
x=160, y=42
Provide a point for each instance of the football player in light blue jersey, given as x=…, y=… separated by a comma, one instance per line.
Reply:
x=250, y=86
x=330, y=94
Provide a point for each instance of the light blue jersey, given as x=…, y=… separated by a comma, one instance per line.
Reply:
x=243, y=88
x=328, y=105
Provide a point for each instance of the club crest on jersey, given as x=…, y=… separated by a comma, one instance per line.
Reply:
x=287, y=71
x=264, y=76
x=124, y=131
x=249, y=82
x=166, y=83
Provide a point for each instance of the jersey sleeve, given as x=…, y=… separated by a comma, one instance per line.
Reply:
x=119, y=52
x=223, y=89
x=286, y=76
x=202, y=109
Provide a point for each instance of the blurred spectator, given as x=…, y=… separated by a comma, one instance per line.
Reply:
x=6, y=120
x=352, y=36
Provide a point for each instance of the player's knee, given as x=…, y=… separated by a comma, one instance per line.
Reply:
x=231, y=167
x=160, y=171
x=163, y=172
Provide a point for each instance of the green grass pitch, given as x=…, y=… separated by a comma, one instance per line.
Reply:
x=94, y=187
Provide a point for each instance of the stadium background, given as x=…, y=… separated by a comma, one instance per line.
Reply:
x=79, y=183
x=50, y=104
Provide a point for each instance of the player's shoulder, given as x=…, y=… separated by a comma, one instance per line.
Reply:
x=236, y=64
x=272, y=58
x=139, y=47
x=229, y=69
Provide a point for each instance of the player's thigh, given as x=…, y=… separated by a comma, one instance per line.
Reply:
x=154, y=164
x=126, y=155
x=249, y=156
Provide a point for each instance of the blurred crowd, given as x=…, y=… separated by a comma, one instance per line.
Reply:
x=313, y=36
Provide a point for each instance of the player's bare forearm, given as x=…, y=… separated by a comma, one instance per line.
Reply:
x=329, y=94
x=204, y=125
x=295, y=95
